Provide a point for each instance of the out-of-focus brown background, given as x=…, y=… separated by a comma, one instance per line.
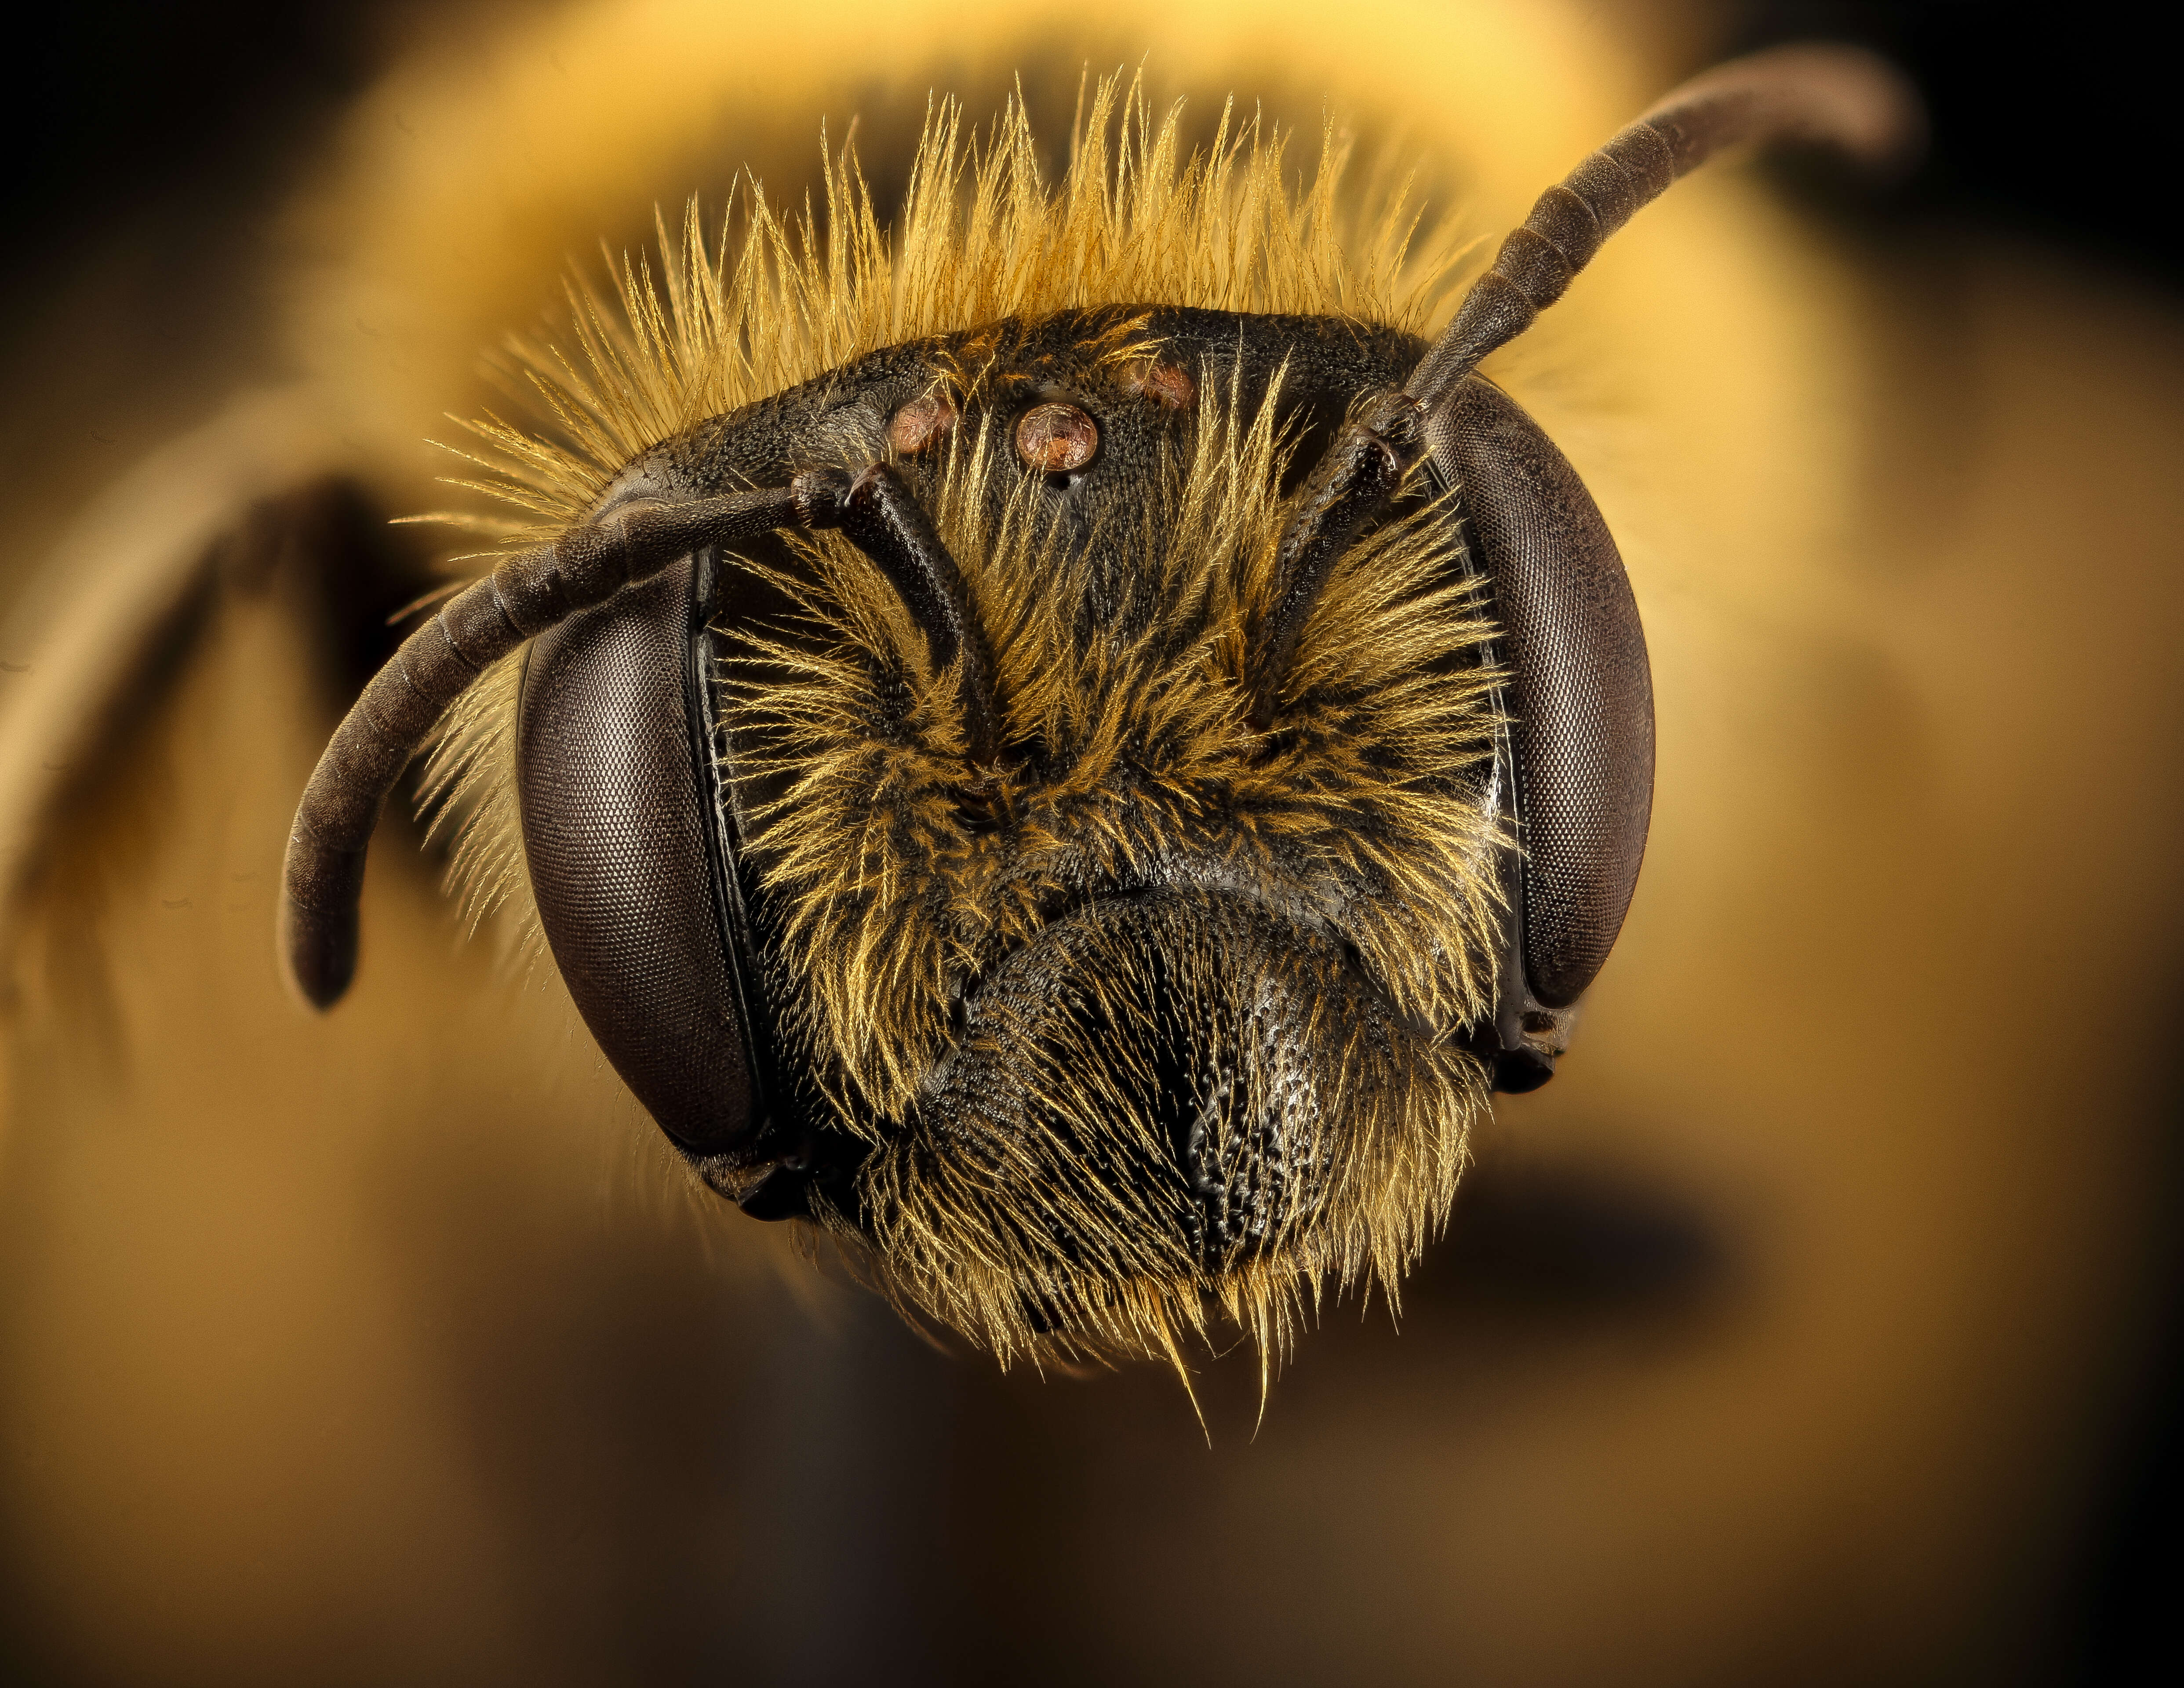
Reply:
x=1813, y=1326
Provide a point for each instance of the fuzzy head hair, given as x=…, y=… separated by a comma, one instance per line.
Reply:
x=1163, y=1021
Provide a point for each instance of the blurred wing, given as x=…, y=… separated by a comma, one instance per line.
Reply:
x=118, y=601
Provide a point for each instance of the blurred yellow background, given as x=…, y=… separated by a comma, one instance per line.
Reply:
x=1789, y=1336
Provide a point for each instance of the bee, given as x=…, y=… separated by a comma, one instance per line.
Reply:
x=1795, y=1317
x=1072, y=750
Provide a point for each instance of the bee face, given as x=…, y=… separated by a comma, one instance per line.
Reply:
x=1152, y=1002
x=999, y=794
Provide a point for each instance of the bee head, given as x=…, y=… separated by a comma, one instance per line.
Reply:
x=1143, y=1003
x=1071, y=747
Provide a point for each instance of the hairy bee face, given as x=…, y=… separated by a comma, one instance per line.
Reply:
x=1143, y=1000
x=991, y=789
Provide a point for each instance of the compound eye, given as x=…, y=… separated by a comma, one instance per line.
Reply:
x=614, y=819
x=920, y=425
x=1055, y=438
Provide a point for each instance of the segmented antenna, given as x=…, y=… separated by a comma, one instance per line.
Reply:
x=1833, y=96
x=323, y=878
x=322, y=881
x=1839, y=97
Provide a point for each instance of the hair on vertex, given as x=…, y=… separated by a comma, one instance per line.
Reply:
x=1140, y=714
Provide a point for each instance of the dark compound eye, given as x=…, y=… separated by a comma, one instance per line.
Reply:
x=1055, y=439
x=919, y=424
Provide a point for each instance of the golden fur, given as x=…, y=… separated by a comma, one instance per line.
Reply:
x=892, y=905
x=895, y=906
x=388, y=1345
x=982, y=235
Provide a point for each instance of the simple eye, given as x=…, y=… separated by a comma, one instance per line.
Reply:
x=1054, y=438
x=1169, y=386
x=920, y=424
